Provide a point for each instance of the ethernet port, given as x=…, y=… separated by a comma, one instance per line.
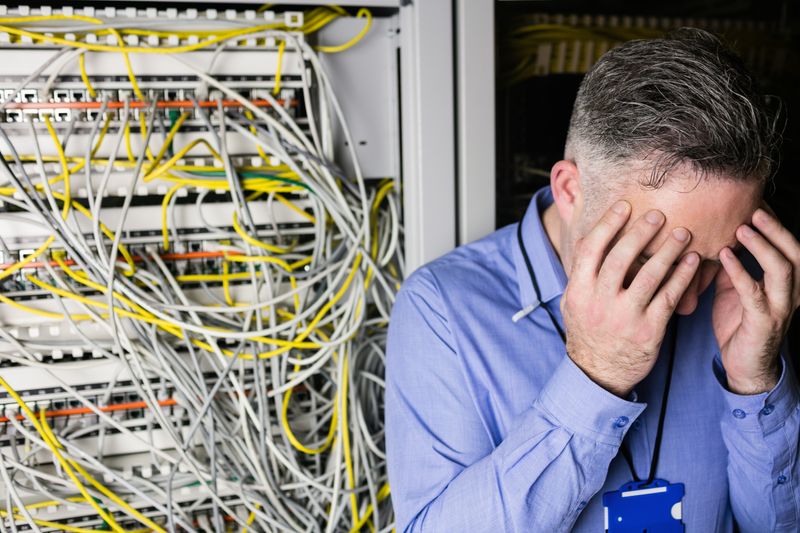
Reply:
x=14, y=116
x=28, y=95
x=61, y=95
x=63, y=115
x=77, y=96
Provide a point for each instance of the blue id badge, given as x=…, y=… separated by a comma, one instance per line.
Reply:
x=644, y=508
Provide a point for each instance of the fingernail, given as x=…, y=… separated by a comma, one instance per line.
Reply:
x=725, y=254
x=620, y=207
x=654, y=217
x=761, y=215
x=747, y=232
x=691, y=258
x=681, y=234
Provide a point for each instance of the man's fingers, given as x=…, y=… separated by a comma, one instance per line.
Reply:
x=592, y=247
x=779, y=273
x=752, y=297
x=671, y=292
x=627, y=249
x=780, y=237
x=649, y=278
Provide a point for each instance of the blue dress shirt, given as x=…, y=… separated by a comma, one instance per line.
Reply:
x=491, y=427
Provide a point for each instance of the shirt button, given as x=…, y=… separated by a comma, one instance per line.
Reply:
x=767, y=409
x=621, y=422
x=738, y=413
x=782, y=479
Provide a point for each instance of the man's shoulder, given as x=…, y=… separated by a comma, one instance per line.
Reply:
x=480, y=267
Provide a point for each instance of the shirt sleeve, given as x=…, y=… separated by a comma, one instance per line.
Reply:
x=445, y=471
x=761, y=433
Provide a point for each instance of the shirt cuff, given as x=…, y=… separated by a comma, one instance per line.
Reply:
x=582, y=406
x=763, y=412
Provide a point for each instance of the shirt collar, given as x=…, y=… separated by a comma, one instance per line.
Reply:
x=549, y=272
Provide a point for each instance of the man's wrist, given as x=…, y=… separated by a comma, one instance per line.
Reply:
x=764, y=382
x=599, y=377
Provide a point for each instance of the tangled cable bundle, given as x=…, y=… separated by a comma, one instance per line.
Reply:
x=238, y=313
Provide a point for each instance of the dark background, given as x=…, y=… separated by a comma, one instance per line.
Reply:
x=533, y=114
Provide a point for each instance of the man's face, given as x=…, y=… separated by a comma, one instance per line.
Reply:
x=711, y=209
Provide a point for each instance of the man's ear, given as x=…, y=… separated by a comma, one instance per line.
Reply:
x=565, y=183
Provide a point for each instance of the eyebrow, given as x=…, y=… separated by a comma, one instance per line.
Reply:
x=736, y=247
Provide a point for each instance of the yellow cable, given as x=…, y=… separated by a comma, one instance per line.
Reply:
x=382, y=495
x=224, y=36
x=287, y=396
x=362, y=13
x=143, y=136
x=320, y=314
x=289, y=267
x=179, y=155
x=226, y=286
x=164, y=205
x=96, y=484
x=296, y=296
x=128, y=145
x=101, y=136
x=39, y=312
x=318, y=19
x=291, y=205
x=321, y=17
x=21, y=264
x=83, y=279
x=85, y=77
x=251, y=518
x=64, y=165
x=255, y=242
x=249, y=114
x=55, y=525
x=296, y=343
x=348, y=458
x=170, y=137
x=213, y=277
x=60, y=458
x=277, y=89
x=373, y=215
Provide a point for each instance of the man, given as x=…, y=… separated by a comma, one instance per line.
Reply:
x=670, y=401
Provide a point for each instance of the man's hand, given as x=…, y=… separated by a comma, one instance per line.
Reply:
x=613, y=333
x=751, y=317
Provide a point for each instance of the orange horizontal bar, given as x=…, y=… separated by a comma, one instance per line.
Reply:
x=139, y=104
x=108, y=408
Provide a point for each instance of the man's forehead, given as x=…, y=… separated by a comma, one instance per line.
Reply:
x=711, y=210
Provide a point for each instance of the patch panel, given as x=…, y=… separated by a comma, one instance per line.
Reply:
x=190, y=255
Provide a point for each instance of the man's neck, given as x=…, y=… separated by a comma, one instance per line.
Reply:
x=552, y=227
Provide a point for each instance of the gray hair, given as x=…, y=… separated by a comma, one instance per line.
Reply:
x=683, y=99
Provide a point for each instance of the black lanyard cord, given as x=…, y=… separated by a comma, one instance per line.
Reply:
x=536, y=284
x=662, y=413
x=667, y=382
